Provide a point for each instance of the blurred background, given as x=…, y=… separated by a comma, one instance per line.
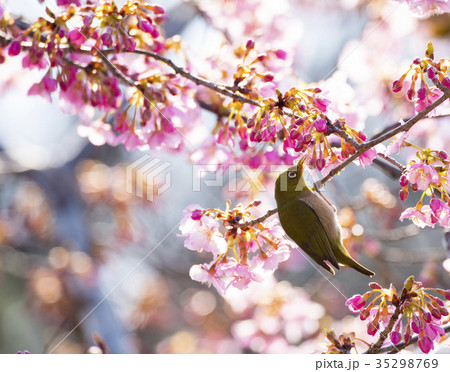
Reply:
x=78, y=250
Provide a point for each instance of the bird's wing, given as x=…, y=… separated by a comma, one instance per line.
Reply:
x=305, y=228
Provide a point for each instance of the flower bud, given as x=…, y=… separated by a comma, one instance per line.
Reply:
x=321, y=125
x=395, y=337
x=375, y=285
x=409, y=283
x=15, y=48
x=422, y=93
x=446, y=82
x=196, y=215
x=431, y=72
x=403, y=181
x=429, y=52
x=281, y=54
x=397, y=85
x=320, y=163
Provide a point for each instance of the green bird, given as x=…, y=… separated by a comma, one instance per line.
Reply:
x=311, y=222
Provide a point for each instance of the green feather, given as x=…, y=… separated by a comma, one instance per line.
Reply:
x=311, y=223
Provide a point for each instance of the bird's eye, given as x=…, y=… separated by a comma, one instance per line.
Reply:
x=292, y=174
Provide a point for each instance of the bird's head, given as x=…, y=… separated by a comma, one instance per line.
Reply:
x=292, y=179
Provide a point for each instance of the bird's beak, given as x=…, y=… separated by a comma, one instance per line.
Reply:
x=300, y=165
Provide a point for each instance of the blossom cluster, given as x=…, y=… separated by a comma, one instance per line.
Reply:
x=136, y=102
x=274, y=317
x=415, y=310
x=418, y=87
x=426, y=8
x=429, y=175
x=241, y=253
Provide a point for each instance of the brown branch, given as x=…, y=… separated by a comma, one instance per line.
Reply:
x=385, y=333
x=181, y=71
x=372, y=143
x=392, y=161
x=246, y=225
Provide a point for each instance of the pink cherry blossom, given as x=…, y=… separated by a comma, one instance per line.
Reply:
x=35, y=61
x=76, y=37
x=426, y=8
x=320, y=125
x=208, y=275
x=421, y=218
x=396, y=144
x=355, y=303
x=97, y=132
x=425, y=344
x=366, y=158
x=433, y=94
x=206, y=238
x=422, y=175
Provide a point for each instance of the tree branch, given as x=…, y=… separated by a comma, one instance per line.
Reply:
x=385, y=333
x=246, y=225
x=181, y=71
x=372, y=143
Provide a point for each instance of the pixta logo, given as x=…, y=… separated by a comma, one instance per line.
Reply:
x=143, y=177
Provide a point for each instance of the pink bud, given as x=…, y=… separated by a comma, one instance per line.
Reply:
x=362, y=136
x=268, y=77
x=425, y=344
x=422, y=93
x=129, y=43
x=320, y=164
x=364, y=314
x=50, y=84
x=375, y=285
x=158, y=9
x=372, y=329
x=106, y=39
x=446, y=82
x=403, y=181
x=76, y=37
x=403, y=194
x=395, y=337
x=321, y=125
x=294, y=135
x=14, y=48
x=281, y=54
x=196, y=215
x=431, y=72
x=299, y=121
x=355, y=303
x=397, y=86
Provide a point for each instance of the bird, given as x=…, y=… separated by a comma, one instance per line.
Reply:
x=311, y=222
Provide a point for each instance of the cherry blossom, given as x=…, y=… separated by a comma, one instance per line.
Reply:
x=416, y=306
x=426, y=8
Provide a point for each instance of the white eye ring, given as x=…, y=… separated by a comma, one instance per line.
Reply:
x=292, y=174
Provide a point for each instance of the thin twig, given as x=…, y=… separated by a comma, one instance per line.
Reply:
x=246, y=225
x=385, y=333
x=181, y=71
x=372, y=143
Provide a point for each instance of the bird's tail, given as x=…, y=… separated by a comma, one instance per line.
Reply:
x=347, y=260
